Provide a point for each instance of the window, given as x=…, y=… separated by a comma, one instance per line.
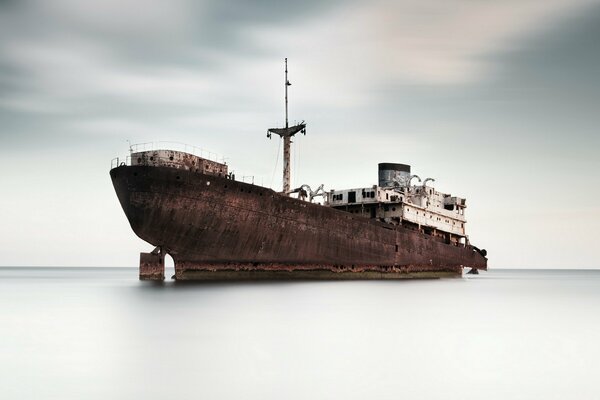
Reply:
x=351, y=197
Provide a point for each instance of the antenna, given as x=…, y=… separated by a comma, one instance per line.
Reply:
x=287, y=83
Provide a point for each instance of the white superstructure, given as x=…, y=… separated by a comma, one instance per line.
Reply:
x=397, y=201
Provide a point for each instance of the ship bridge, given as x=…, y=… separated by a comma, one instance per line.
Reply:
x=395, y=200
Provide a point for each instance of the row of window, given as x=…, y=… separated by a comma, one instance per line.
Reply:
x=437, y=218
x=368, y=194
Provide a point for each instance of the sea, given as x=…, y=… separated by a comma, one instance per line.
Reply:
x=100, y=333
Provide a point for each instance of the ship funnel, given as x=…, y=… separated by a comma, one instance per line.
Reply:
x=393, y=175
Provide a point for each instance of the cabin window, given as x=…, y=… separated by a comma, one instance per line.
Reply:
x=351, y=197
x=387, y=197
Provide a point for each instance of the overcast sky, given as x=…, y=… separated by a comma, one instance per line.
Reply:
x=496, y=100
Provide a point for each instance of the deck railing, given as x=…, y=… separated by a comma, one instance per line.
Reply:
x=118, y=161
x=177, y=146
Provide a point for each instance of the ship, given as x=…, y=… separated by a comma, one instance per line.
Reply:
x=190, y=207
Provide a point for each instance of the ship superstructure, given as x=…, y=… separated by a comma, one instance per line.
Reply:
x=398, y=202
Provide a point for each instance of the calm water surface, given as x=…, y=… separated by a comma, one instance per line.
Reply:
x=99, y=333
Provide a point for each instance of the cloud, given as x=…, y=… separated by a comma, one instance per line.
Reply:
x=416, y=42
x=128, y=62
x=57, y=55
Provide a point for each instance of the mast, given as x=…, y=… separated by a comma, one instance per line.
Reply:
x=287, y=141
x=287, y=133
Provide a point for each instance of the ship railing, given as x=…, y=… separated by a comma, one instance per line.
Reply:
x=248, y=179
x=119, y=161
x=177, y=146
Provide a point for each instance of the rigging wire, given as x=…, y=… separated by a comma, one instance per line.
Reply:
x=276, y=162
x=295, y=173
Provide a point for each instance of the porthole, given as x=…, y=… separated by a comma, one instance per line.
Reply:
x=177, y=177
x=393, y=208
x=139, y=160
x=207, y=183
x=151, y=158
x=171, y=158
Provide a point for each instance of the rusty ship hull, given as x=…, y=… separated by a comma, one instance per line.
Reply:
x=218, y=228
